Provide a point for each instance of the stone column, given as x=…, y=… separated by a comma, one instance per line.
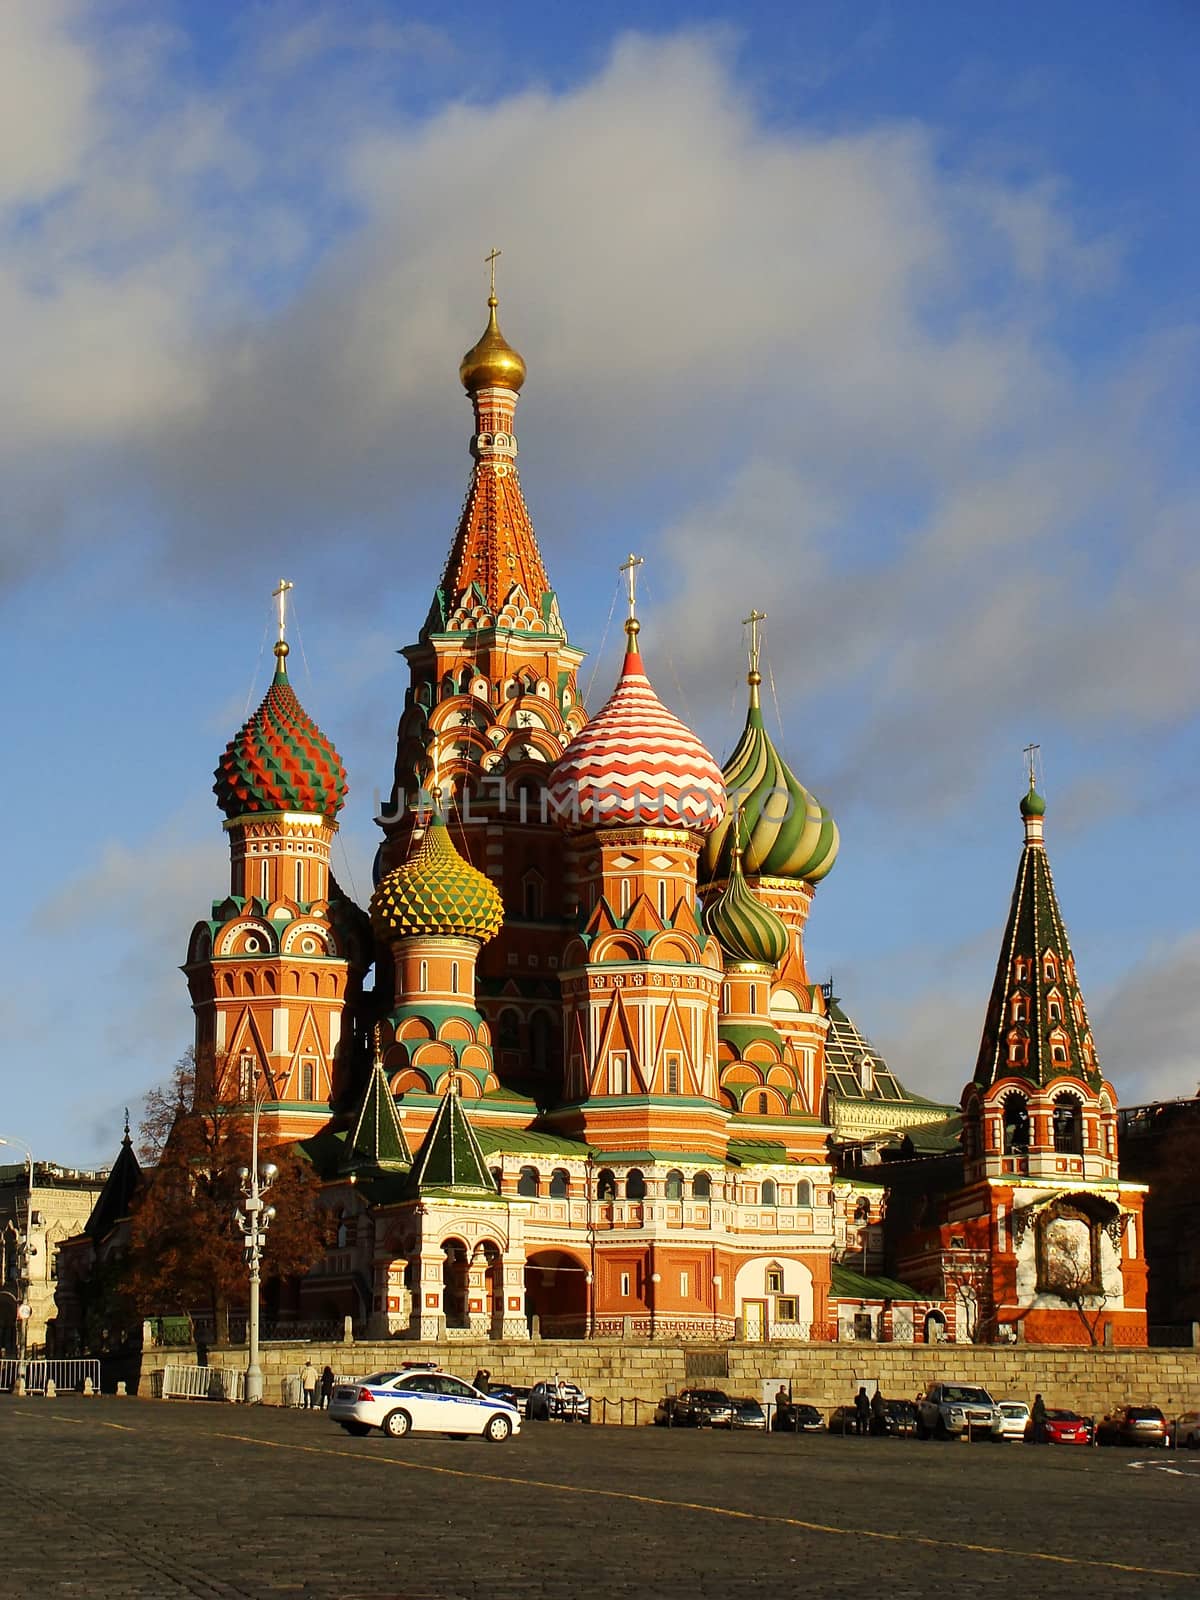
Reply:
x=512, y=1282
x=478, y=1319
x=428, y=1319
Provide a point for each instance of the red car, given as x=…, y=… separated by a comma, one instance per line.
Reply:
x=1063, y=1427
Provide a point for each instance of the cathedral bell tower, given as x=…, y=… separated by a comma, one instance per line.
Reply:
x=492, y=701
x=636, y=792
x=280, y=962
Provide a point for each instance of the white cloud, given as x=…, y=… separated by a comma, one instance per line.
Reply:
x=47, y=79
x=1147, y=1025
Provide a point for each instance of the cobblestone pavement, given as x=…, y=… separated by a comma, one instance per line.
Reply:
x=107, y=1498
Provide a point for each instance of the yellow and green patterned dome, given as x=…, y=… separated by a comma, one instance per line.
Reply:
x=436, y=892
x=746, y=930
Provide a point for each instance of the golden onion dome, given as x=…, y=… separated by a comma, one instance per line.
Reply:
x=436, y=892
x=492, y=363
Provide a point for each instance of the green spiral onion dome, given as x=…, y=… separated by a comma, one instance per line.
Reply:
x=279, y=760
x=745, y=929
x=436, y=892
x=1033, y=805
x=786, y=833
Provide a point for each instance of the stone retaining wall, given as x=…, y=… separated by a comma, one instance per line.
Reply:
x=1090, y=1381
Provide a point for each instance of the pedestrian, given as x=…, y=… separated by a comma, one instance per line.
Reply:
x=783, y=1409
x=862, y=1412
x=1039, y=1420
x=482, y=1380
x=308, y=1382
x=327, y=1381
x=879, y=1425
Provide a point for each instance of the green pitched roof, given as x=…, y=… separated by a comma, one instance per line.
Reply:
x=518, y=1142
x=450, y=1156
x=377, y=1138
x=847, y=1050
x=1048, y=1047
x=849, y=1285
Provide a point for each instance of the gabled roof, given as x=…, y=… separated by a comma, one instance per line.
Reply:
x=116, y=1197
x=847, y=1284
x=1047, y=1048
x=450, y=1157
x=377, y=1138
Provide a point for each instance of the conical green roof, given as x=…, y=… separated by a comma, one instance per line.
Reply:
x=1037, y=1025
x=450, y=1157
x=787, y=834
x=436, y=892
x=378, y=1139
x=745, y=929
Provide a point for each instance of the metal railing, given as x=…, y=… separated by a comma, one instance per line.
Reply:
x=66, y=1374
x=177, y=1382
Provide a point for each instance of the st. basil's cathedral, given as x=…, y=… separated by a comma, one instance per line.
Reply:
x=594, y=1089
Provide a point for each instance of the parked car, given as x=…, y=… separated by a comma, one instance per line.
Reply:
x=798, y=1418
x=1135, y=1425
x=421, y=1401
x=1185, y=1431
x=1014, y=1419
x=949, y=1410
x=664, y=1411
x=1064, y=1427
x=702, y=1408
x=565, y=1402
x=901, y=1417
x=516, y=1394
x=842, y=1419
x=744, y=1413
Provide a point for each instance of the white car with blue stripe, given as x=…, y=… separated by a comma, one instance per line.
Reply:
x=421, y=1399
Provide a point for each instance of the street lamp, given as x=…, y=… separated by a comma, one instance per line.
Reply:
x=23, y=1278
x=253, y=1218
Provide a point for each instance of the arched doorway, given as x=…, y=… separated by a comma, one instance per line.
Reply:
x=556, y=1292
x=454, y=1283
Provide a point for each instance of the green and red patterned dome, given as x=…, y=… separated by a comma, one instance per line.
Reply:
x=436, y=892
x=279, y=760
x=747, y=930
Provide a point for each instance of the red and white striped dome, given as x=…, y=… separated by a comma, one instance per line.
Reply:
x=634, y=764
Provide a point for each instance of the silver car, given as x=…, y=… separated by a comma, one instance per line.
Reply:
x=419, y=1400
x=950, y=1410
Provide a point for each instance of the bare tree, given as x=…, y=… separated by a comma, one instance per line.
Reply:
x=1073, y=1276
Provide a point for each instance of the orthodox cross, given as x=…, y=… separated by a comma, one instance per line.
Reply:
x=629, y=568
x=1031, y=753
x=281, y=595
x=752, y=622
x=490, y=261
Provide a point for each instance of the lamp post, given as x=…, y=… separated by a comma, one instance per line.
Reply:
x=23, y=1308
x=254, y=1219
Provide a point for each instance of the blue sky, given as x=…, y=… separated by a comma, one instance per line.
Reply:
x=880, y=317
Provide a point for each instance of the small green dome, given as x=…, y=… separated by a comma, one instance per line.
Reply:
x=745, y=929
x=436, y=892
x=1033, y=805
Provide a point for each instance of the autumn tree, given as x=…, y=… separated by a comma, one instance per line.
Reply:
x=186, y=1250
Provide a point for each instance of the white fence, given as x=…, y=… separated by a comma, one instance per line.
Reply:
x=65, y=1375
x=199, y=1383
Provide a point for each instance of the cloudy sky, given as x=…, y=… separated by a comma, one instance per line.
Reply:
x=879, y=317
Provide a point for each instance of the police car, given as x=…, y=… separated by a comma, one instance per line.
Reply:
x=419, y=1398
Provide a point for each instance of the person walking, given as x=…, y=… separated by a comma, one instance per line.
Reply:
x=308, y=1382
x=862, y=1412
x=879, y=1426
x=327, y=1381
x=783, y=1409
x=1038, y=1417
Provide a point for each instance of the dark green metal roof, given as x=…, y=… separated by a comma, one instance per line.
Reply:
x=450, y=1157
x=377, y=1138
x=850, y=1285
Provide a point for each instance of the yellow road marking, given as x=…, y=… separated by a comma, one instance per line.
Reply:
x=78, y=1422
x=775, y=1519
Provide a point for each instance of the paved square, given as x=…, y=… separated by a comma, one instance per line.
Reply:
x=106, y=1498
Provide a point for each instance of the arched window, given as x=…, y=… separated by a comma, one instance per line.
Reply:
x=1016, y=1125
x=635, y=1184
x=560, y=1184
x=454, y=977
x=752, y=999
x=1068, y=1126
x=770, y=1195
x=862, y=1209
x=1054, y=1010
x=674, y=1185
x=529, y=1183
x=606, y=1185
x=866, y=1075
x=508, y=1030
x=423, y=978
x=702, y=1186
x=804, y=1193
x=763, y=1103
x=533, y=896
